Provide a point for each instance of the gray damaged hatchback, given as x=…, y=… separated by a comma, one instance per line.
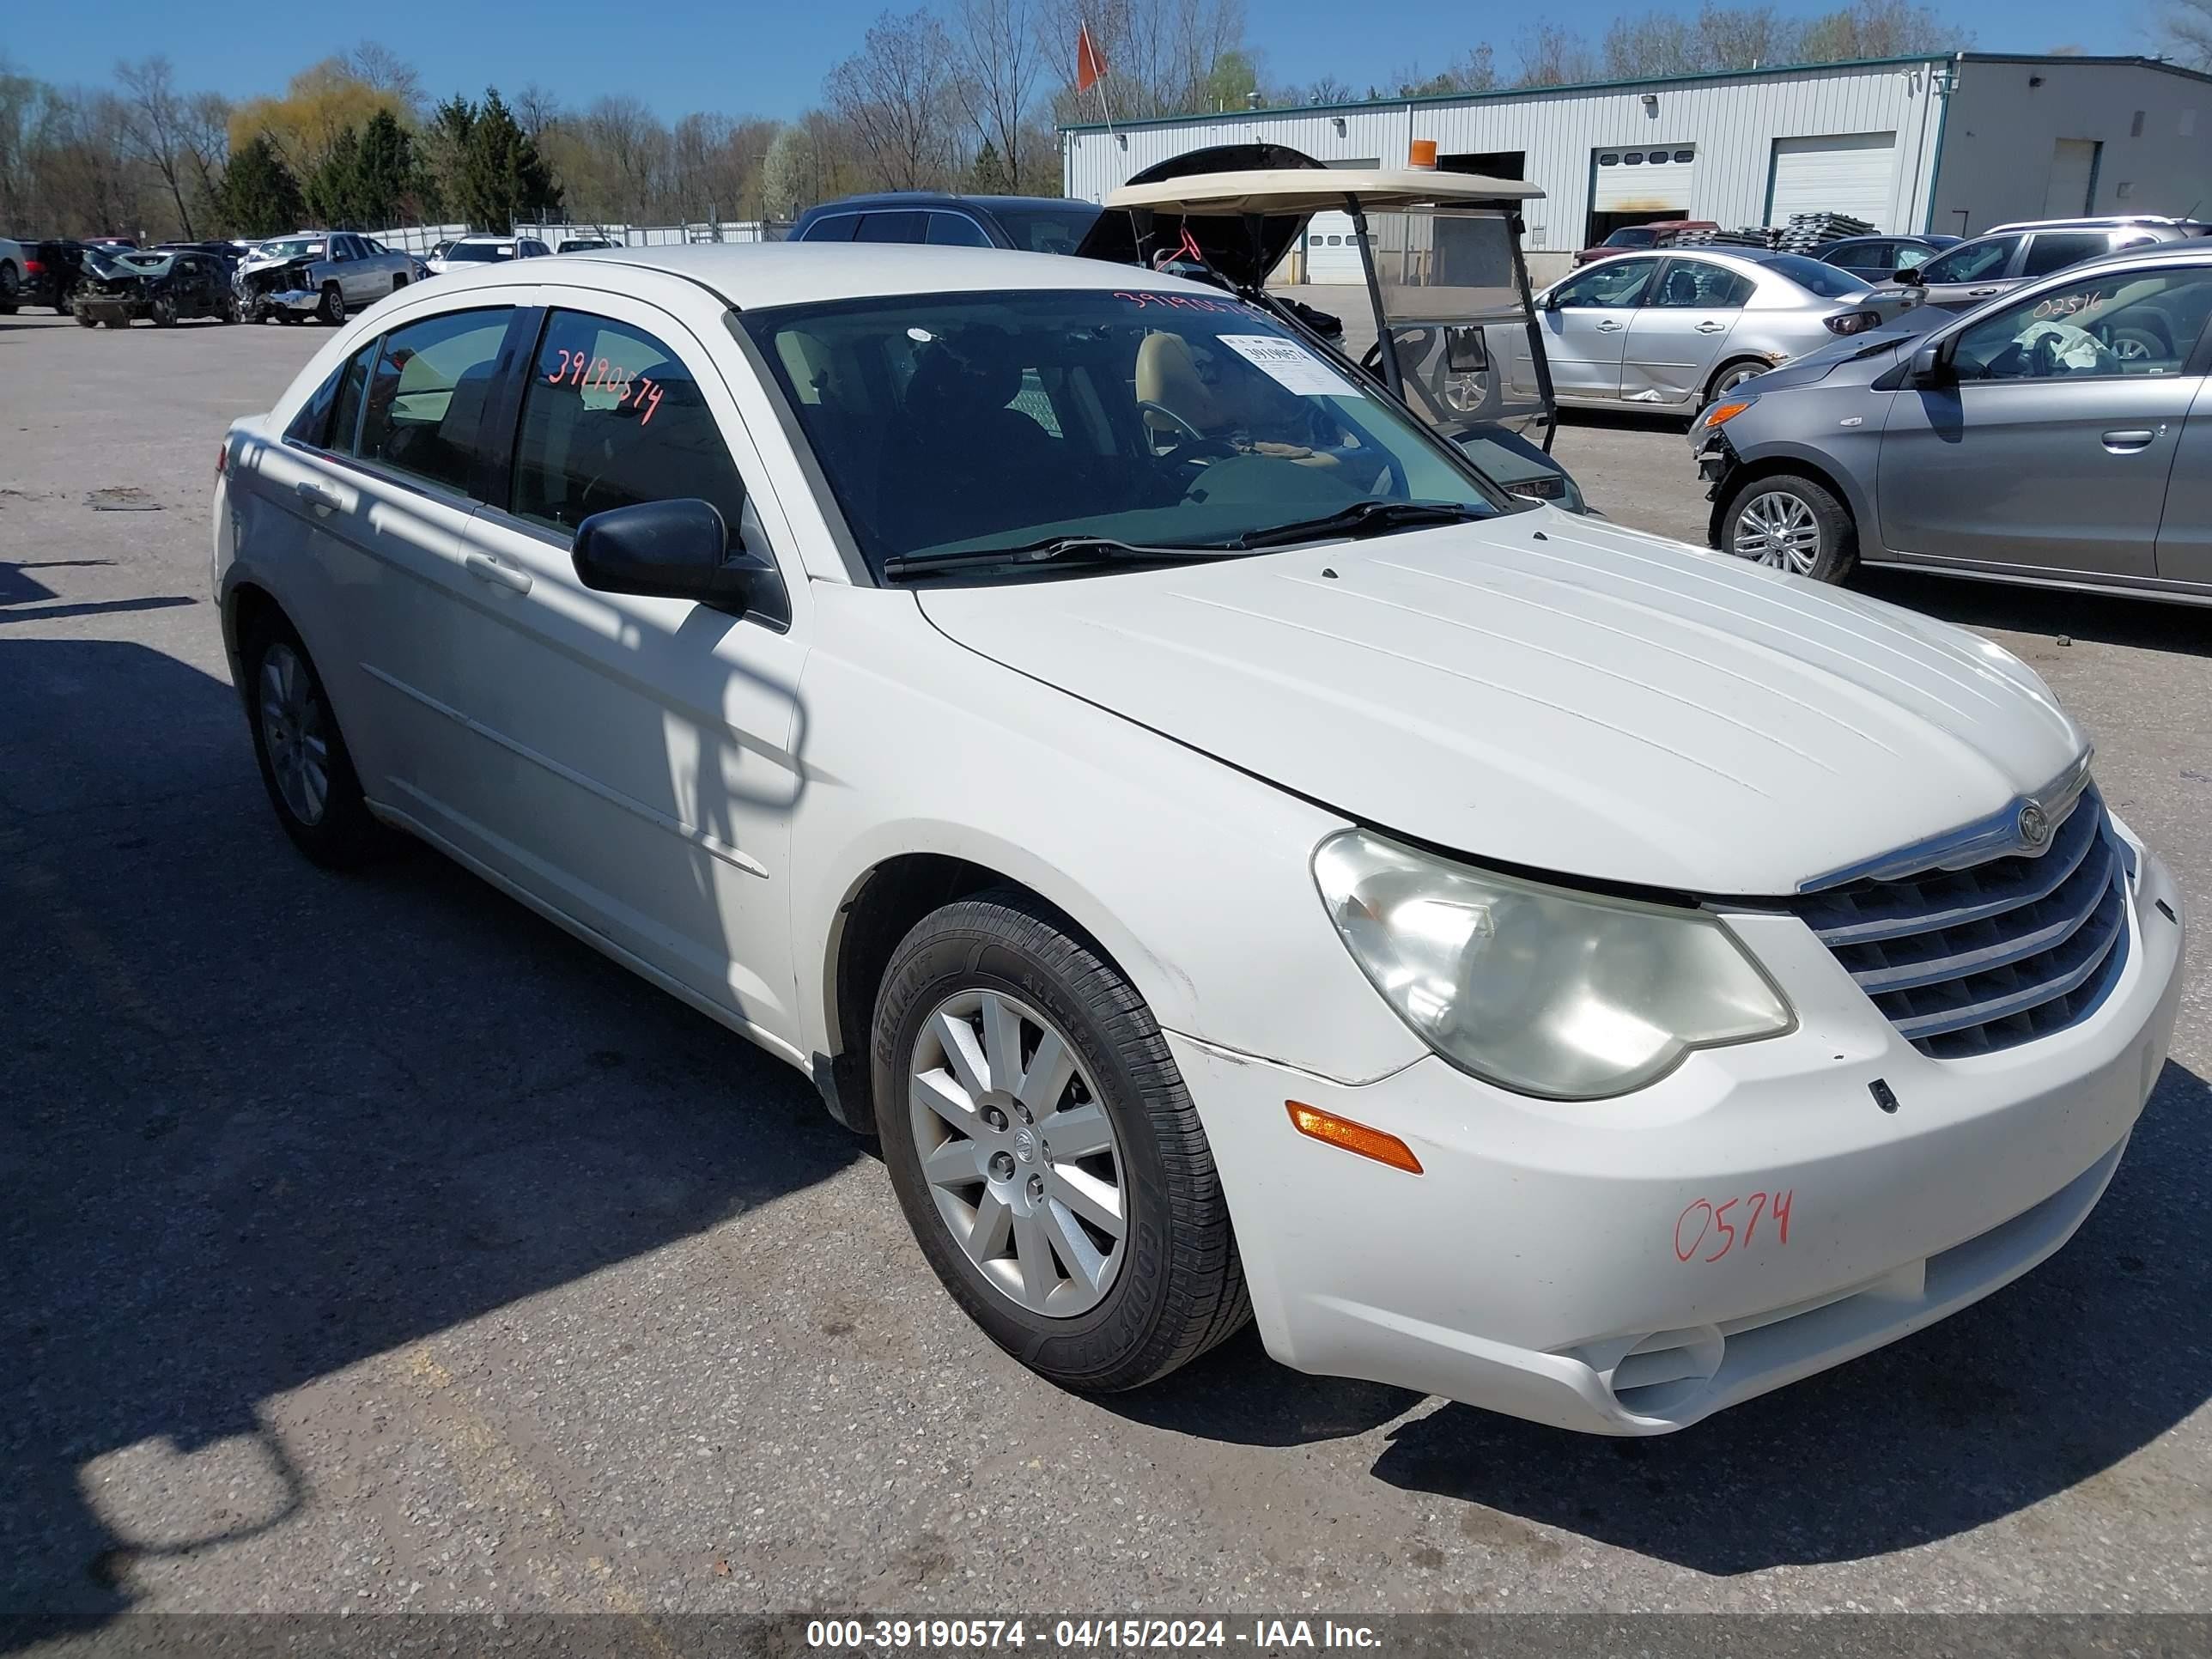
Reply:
x=2060, y=436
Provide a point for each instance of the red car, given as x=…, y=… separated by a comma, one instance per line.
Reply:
x=1630, y=238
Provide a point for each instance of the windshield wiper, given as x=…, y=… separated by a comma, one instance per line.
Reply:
x=1363, y=519
x=1073, y=550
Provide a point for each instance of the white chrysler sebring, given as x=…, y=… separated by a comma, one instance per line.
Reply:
x=1236, y=859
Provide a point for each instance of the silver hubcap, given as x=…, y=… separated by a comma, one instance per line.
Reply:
x=2130, y=350
x=296, y=734
x=1779, y=531
x=1018, y=1153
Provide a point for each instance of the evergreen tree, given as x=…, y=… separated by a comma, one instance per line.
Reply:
x=505, y=178
x=387, y=177
x=333, y=188
x=260, y=196
x=989, y=175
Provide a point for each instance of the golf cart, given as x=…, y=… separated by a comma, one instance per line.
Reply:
x=1441, y=253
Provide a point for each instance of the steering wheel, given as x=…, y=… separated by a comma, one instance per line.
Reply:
x=2042, y=357
x=1146, y=406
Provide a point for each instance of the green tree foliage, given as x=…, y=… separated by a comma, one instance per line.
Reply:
x=499, y=177
x=258, y=195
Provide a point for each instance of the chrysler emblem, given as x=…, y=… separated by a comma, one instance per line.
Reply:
x=2034, y=828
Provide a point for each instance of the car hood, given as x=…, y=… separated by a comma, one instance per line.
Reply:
x=1555, y=693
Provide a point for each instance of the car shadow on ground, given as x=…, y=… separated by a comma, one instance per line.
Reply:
x=2042, y=1388
x=2107, y=619
x=264, y=1123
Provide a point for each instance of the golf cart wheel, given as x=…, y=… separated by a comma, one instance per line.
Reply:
x=304, y=762
x=1790, y=523
x=1045, y=1150
x=332, y=309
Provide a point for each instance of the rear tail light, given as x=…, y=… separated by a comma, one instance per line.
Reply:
x=222, y=457
x=33, y=268
x=1854, y=322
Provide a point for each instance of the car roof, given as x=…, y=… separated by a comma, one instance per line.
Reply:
x=753, y=276
x=2189, y=250
x=925, y=199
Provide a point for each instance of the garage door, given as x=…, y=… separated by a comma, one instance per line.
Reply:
x=1852, y=172
x=1648, y=178
x=1332, y=250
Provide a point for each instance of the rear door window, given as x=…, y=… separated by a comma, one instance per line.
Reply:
x=955, y=230
x=905, y=225
x=428, y=395
x=611, y=417
x=2055, y=250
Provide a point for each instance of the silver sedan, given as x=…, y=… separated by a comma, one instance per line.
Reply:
x=1675, y=329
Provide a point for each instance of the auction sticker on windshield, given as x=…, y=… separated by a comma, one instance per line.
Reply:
x=1290, y=365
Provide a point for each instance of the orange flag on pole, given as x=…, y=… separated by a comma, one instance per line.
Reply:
x=1090, y=66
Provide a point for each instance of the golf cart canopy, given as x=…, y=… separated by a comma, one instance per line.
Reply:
x=1305, y=191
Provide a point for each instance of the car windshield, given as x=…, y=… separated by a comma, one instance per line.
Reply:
x=1829, y=282
x=293, y=247
x=1633, y=237
x=478, y=252
x=1058, y=229
x=972, y=421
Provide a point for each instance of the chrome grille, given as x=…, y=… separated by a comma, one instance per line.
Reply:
x=1968, y=962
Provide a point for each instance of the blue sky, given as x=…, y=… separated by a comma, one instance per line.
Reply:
x=680, y=55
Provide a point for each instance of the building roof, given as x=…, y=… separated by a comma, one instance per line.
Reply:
x=1494, y=93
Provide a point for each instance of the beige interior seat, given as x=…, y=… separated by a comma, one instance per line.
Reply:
x=1167, y=374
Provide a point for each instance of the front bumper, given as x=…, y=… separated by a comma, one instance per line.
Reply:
x=1624, y=1266
x=102, y=306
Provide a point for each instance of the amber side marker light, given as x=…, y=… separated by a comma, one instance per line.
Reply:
x=1352, y=1137
x=1721, y=412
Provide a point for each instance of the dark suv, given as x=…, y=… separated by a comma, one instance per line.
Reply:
x=2000, y=260
x=1032, y=224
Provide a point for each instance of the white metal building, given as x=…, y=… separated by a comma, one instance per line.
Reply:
x=1952, y=143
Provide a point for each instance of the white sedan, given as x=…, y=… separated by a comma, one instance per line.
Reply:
x=1237, y=859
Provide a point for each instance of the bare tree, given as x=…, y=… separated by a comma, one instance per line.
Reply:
x=153, y=116
x=1553, y=55
x=377, y=65
x=2184, y=31
x=896, y=98
x=1474, y=70
x=1161, y=55
x=1001, y=59
x=1878, y=28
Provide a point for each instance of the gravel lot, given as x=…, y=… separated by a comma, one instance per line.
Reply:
x=374, y=1246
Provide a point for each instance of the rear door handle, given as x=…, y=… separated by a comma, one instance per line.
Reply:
x=1608, y=326
x=2127, y=442
x=317, y=494
x=485, y=567
x=1712, y=328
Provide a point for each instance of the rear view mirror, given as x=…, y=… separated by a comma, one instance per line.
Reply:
x=1465, y=351
x=677, y=550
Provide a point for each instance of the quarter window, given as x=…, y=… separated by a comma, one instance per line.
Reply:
x=428, y=394
x=326, y=420
x=612, y=417
x=955, y=230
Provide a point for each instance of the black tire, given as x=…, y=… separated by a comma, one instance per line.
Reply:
x=1727, y=377
x=333, y=307
x=86, y=319
x=163, y=310
x=122, y=321
x=343, y=836
x=1837, y=551
x=11, y=288
x=1181, y=1288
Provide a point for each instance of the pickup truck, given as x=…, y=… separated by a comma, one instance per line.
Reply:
x=318, y=273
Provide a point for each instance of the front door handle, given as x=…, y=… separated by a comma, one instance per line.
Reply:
x=1609, y=326
x=486, y=569
x=1712, y=328
x=1982, y=293
x=317, y=495
x=2130, y=440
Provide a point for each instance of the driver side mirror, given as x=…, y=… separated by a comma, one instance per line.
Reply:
x=1931, y=365
x=677, y=550
x=1552, y=302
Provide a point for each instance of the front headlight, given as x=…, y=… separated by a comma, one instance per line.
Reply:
x=1572, y=996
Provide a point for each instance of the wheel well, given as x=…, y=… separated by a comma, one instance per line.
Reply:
x=247, y=607
x=1744, y=476
x=398, y=281
x=1714, y=380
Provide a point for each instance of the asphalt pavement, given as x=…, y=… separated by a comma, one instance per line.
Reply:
x=372, y=1245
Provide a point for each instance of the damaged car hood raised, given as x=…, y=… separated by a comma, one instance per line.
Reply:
x=1556, y=693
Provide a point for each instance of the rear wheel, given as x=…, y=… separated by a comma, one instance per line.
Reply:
x=1731, y=377
x=305, y=764
x=1791, y=523
x=1045, y=1150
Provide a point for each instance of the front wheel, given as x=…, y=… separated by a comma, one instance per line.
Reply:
x=1045, y=1150
x=332, y=310
x=163, y=312
x=86, y=319
x=1791, y=523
